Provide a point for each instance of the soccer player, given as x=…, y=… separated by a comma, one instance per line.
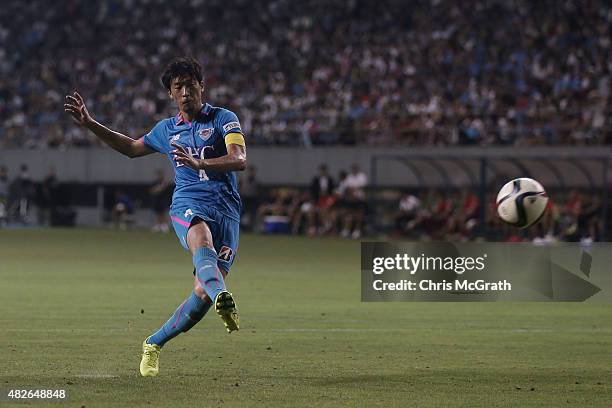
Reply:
x=206, y=146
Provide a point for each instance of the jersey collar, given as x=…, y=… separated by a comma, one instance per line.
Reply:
x=204, y=111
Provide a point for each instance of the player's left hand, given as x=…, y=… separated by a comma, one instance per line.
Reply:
x=180, y=155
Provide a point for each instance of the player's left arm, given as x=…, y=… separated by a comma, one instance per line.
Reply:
x=234, y=160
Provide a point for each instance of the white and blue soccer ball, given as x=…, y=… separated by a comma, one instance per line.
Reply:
x=521, y=202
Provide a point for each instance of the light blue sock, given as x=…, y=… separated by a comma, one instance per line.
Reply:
x=208, y=274
x=191, y=311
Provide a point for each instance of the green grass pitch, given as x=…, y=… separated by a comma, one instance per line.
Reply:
x=76, y=305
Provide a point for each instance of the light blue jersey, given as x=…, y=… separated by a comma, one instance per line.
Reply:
x=211, y=196
x=202, y=138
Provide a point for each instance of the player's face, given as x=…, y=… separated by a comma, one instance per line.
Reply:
x=187, y=93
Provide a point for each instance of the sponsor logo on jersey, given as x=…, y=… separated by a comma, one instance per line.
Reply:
x=176, y=137
x=205, y=134
x=231, y=125
x=226, y=253
x=188, y=213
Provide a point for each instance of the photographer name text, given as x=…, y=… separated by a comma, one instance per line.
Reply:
x=427, y=285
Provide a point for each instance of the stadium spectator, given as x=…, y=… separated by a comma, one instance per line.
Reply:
x=21, y=194
x=589, y=220
x=551, y=216
x=408, y=210
x=303, y=214
x=322, y=184
x=322, y=192
x=47, y=196
x=4, y=192
x=573, y=205
x=249, y=194
x=355, y=201
x=464, y=218
x=274, y=214
x=432, y=219
x=122, y=211
x=338, y=207
x=160, y=198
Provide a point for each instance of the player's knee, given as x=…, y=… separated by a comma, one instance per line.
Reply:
x=201, y=293
x=199, y=236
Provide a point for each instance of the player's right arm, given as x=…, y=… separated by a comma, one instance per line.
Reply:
x=75, y=106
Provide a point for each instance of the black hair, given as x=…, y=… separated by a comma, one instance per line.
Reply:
x=182, y=66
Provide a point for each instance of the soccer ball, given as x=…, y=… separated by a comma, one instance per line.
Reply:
x=521, y=202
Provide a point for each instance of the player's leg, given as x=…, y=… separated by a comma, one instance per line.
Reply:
x=186, y=315
x=208, y=274
x=200, y=243
x=192, y=309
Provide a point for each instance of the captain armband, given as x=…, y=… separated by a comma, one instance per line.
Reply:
x=234, y=138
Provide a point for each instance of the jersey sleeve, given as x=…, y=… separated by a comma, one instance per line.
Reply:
x=156, y=139
x=228, y=122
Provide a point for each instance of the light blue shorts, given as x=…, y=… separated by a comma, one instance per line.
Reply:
x=224, y=230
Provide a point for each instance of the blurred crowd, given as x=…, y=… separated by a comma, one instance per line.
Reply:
x=425, y=72
x=434, y=215
x=329, y=206
x=339, y=207
x=26, y=201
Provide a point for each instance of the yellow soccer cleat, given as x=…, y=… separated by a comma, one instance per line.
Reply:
x=149, y=365
x=226, y=308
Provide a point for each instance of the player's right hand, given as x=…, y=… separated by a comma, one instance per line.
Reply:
x=75, y=106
